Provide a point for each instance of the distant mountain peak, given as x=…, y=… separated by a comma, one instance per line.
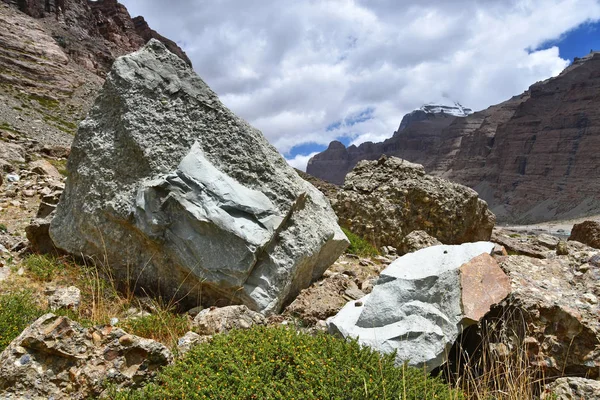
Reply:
x=456, y=109
x=430, y=110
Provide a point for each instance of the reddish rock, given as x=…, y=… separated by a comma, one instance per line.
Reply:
x=142, y=29
x=483, y=284
x=587, y=232
x=44, y=168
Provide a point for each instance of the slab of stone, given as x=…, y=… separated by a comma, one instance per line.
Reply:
x=483, y=284
x=416, y=306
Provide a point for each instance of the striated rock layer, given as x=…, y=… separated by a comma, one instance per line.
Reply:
x=185, y=199
x=532, y=158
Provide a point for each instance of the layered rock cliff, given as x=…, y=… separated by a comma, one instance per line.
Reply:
x=54, y=55
x=532, y=157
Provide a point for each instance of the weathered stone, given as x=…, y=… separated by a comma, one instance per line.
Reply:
x=554, y=308
x=189, y=340
x=44, y=168
x=211, y=321
x=58, y=358
x=64, y=298
x=417, y=307
x=417, y=240
x=548, y=241
x=519, y=244
x=385, y=200
x=572, y=388
x=323, y=299
x=481, y=278
x=187, y=196
x=39, y=237
x=587, y=232
x=562, y=249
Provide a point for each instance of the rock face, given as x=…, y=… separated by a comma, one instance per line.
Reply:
x=418, y=133
x=94, y=33
x=169, y=185
x=531, y=158
x=423, y=300
x=587, y=232
x=572, y=388
x=385, y=200
x=57, y=358
x=557, y=302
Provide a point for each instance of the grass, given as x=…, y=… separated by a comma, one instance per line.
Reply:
x=43, y=268
x=280, y=363
x=101, y=300
x=8, y=127
x=162, y=325
x=44, y=101
x=359, y=246
x=17, y=311
x=499, y=367
x=60, y=165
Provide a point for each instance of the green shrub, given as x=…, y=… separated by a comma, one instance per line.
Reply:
x=17, y=311
x=279, y=363
x=359, y=246
x=43, y=267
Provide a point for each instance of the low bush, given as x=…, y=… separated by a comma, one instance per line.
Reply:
x=17, y=311
x=359, y=246
x=280, y=363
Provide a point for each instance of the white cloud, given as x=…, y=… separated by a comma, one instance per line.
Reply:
x=300, y=161
x=293, y=69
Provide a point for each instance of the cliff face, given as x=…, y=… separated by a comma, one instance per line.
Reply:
x=54, y=55
x=93, y=33
x=532, y=158
x=418, y=134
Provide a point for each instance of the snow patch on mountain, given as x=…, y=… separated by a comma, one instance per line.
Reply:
x=456, y=110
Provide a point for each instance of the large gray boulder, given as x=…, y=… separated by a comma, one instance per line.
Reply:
x=185, y=199
x=423, y=301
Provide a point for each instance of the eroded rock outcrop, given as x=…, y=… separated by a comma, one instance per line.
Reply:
x=169, y=185
x=587, y=232
x=423, y=301
x=58, y=358
x=554, y=306
x=385, y=200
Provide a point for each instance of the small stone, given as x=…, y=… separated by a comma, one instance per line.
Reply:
x=590, y=298
x=562, y=249
x=29, y=193
x=194, y=311
x=65, y=298
x=114, y=321
x=189, y=340
x=126, y=340
x=13, y=178
x=358, y=304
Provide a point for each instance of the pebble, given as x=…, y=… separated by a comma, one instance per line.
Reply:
x=13, y=178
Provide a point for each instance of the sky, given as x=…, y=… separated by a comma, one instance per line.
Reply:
x=306, y=72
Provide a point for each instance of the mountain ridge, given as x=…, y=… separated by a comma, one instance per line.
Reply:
x=529, y=157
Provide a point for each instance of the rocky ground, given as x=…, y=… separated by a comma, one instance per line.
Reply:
x=102, y=331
